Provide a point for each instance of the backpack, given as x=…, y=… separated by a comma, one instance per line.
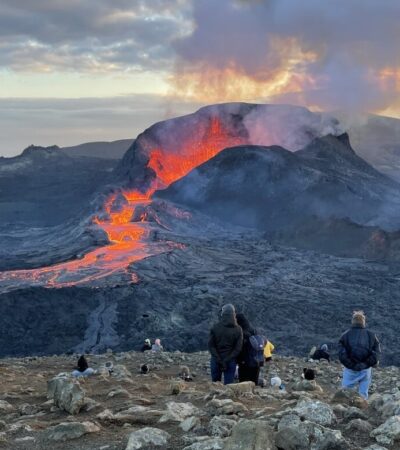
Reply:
x=256, y=354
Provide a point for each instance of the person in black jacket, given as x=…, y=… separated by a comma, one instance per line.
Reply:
x=321, y=353
x=249, y=370
x=146, y=346
x=225, y=344
x=359, y=351
x=82, y=369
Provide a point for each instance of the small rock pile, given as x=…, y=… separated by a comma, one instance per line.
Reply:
x=43, y=407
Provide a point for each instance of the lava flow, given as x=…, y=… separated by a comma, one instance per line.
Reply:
x=129, y=241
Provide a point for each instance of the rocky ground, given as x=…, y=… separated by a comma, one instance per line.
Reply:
x=40, y=408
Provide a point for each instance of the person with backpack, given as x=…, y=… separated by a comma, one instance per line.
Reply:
x=359, y=351
x=251, y=357
x=225, y=343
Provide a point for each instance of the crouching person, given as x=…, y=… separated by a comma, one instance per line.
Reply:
x=225, y=344
x=82, y=369
x=359, y=351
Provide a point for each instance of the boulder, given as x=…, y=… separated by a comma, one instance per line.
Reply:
x=27, y=409
x=121, y=373
x=349, y=397
x=226, y=406
x=141, y=415
x=119, y=392
x=70, y=430
x=221, y=426
x=67, y=394
x=250, y=435
x=292, y=439
x=354, y=413
x=207, y=444
x=178, y=412
x=147, y=437
x=315, y=411
x=386, y=405
x=294, y=433
x=5, y=407
x=307, y=385
x=189, y=423
x=389, y=432
x=241, y=389
x=359, y=426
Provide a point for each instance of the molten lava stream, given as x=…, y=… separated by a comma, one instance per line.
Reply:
x=126, y=246
x=128, y=241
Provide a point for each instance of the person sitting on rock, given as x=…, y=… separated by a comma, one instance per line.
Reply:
x=359, y=351
x=225, y=344
x=157, y=347
x=249, y=366
x=82, y=369
x=321, y=353
x=146, y=346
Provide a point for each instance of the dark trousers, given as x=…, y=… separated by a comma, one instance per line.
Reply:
x=247, y=373
x=229, y=373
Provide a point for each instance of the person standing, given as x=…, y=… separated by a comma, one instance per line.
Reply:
x=225, y=344
x=249, y=367
x=359, y=351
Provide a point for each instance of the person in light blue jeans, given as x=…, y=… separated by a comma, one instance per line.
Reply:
x=361, y=379
x=83, y=369
x=359, y=351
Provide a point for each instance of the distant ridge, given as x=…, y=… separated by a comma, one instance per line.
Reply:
x=101, y=149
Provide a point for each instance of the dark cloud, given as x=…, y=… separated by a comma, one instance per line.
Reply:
x=333, y=54
x=90, y=35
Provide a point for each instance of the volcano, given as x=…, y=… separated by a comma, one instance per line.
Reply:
x=200, y=209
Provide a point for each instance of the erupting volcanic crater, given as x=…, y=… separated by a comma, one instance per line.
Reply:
x=161, y=155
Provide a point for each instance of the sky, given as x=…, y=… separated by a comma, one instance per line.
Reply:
x=87, y=70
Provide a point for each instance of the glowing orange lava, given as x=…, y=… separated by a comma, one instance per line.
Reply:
x=129, y=240
x=170, y=166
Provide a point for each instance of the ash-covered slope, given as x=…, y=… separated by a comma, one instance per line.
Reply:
x=376, y=139
x=271, y=188
x=44, y=186
x=46, y=199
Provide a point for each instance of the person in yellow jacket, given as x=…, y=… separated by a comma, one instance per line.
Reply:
x=268, y=349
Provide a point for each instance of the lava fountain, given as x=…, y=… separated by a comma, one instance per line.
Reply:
x=129, y=241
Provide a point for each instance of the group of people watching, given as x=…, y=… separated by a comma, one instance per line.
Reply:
x=234, y=343
x=156, y=347
x=238, y=350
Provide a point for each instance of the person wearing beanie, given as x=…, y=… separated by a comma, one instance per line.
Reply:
x=359, y=351
x=146, y=346
x=225, y=344
x=321, y=353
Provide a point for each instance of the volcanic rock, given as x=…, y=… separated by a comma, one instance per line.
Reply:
x=147, y=436
x=70, y=430
x=67, y=394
